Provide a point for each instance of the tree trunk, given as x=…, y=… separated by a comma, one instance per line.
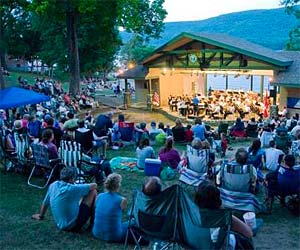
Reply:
x=72, y=16
x=2, y=83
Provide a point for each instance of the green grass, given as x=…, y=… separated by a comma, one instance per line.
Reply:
x=19, y=201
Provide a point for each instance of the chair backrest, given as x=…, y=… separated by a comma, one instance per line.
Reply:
x=41, y=155
x=22, y=146
x=289, y=181
x=85, y=139
x=126, y=130
x=70, y=153
x=236, y=178
x=265, y=138
x=86, y=166
x=171, y=215
x=197, y=159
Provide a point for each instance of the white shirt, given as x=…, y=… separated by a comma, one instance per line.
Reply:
x=272, y=156
x=295, y=129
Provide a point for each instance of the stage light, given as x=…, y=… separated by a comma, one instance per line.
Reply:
x=164, y=71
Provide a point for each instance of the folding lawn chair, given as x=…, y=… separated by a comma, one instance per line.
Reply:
x=235, y=189
x=197, y=166
x=88, y=171
x=288, y=185
x=23, y=150
x=8, y=156
x=42, y=162
x=173, y=218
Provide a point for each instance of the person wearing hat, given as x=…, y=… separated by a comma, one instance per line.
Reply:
x=72, y=205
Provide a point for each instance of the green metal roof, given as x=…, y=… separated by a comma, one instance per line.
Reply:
x=230, y=43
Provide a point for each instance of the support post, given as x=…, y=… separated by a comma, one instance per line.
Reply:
x=262, y=88
x=226, y=82
x=149, y=96
x=205, y=84
x=126, y=95
x=251, y=83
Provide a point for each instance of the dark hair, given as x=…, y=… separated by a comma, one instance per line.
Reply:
x=161, y=125
x=46, y=135
x=272, y=144
x=151, y=186
x=198, y=121
x=208, y=196
x=70, y=115
x=188, y=126
x=144, y=142
x=256, y=144
x=121, y=118
x=289, y=160
x=143, y=125
x=50, y=121
x=241, y=156
x=80, y=123
x=169, y=144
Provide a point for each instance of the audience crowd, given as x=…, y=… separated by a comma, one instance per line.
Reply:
x=272, y=158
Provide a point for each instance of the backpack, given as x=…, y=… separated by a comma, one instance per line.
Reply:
x=293, y=206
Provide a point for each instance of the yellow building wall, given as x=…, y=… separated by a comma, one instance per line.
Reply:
x=175, y=83
x=286, y=92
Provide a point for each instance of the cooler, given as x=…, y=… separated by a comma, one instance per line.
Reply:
x=152, y=167
x=126, y=129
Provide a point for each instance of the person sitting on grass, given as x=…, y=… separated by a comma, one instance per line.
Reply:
x=108, y=224
x=168, y=154
x=71, y=204
x=143, y=151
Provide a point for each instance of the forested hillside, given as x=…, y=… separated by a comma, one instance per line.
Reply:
x=269, y=28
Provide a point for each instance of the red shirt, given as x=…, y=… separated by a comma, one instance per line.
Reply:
x=189, y=135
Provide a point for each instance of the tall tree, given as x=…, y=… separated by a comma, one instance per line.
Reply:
x=293, y=8
x=141, y=16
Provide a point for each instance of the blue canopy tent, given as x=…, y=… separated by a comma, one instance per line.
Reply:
x=14, y=97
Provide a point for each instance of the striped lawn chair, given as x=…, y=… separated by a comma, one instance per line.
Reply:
x=236, y=187
x=70, y=153
x=71, y=156
x=197, y=166
x=23, y=150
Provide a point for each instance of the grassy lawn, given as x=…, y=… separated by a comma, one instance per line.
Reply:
x=19, y=201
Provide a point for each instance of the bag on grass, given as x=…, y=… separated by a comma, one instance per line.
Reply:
x=167, y=173
x=293, y=206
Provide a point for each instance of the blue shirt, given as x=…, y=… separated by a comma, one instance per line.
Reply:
x=195, y=101
x=64, y=200
x=199, y=131
x=108, y=218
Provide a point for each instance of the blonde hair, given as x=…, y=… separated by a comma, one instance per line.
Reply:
x=113, y=182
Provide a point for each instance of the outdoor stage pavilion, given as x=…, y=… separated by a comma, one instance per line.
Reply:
x=181, y=66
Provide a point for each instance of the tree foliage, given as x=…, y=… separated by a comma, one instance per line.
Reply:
x=293, y=8
x=89, y=30
x=135, y=50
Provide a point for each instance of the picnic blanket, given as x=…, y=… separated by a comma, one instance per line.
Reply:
x=124, y=163
x=241, y=201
